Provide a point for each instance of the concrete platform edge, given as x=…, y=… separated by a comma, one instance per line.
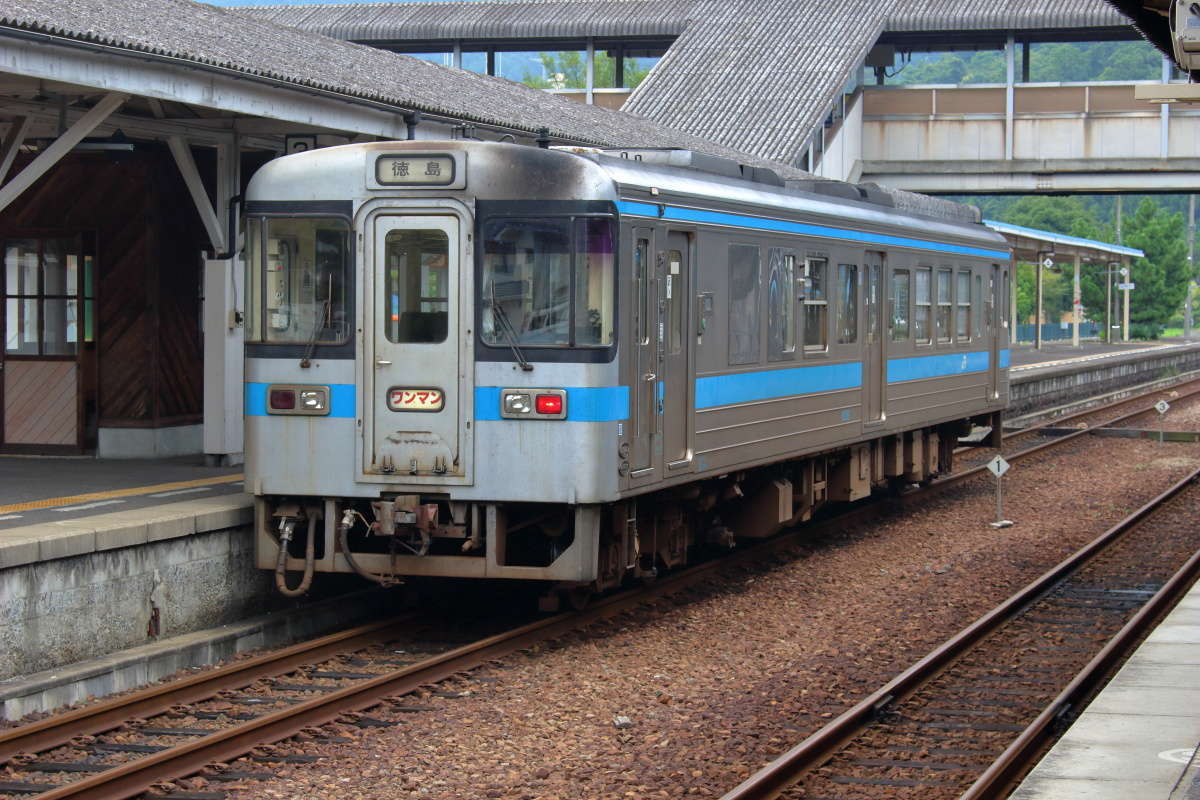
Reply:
x=138, y=666
x=54, y=540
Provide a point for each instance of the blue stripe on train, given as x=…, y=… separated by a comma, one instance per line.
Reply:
x=341, y=400
x=1005, y=359
x=747, y=387
x=584, y=403
x=764, y=224
x=936, y=366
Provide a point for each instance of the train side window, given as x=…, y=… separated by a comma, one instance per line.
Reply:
x=924, y=310
x=744, y=317
x=641, y=291
x=816, y=305
x=963, y=314
x=990, y=301
x=945, y=303
x=847, y=320
x=977, y=302
x=675, y=300
x=781, y=304
x=901, y=282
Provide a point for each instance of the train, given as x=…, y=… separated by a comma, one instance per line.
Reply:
x=582, y=366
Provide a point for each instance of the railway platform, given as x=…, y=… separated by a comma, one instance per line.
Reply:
x=1138, y=737
x=1060, y=375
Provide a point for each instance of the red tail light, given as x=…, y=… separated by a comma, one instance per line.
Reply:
x=283, y=399
x=548, y=404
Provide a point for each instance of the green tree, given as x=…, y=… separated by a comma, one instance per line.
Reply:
x=1162, y=276
x=567, y=69
x=1073, y=217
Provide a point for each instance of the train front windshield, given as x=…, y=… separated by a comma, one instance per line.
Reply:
x=548, y=281
x=297, y=279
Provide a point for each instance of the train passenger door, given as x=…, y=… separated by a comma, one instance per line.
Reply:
x=674, y=266
x=996, y=329
x=414, y=404
x=645, y=434
x=874, y=360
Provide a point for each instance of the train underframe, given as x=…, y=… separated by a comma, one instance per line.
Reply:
x=581, y=550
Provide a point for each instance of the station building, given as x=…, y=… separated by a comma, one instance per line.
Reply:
x=127, y=130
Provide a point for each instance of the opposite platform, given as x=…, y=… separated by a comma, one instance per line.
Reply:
x=1138, y=737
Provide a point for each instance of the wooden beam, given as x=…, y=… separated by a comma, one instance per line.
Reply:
x=60, y=147
x=12, y=143
x=191, y=176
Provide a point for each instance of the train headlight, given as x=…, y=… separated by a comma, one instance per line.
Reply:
x=313, y=400
x=290, y=399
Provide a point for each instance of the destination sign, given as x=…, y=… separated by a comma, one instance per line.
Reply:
x=414, y=170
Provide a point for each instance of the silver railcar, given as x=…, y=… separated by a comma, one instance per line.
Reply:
x=485, y=360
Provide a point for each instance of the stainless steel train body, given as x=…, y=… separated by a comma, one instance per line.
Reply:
x=480, y=359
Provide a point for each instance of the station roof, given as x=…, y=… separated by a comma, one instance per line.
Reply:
x=494, y=19
x=1030, y=242
x=214, y=40
x=754, y=75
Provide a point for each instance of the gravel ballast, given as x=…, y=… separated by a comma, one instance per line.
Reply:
x=684, y=698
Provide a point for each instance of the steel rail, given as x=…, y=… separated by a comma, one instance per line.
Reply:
x=772, y=780
x=237, y=740
x=1005, y=770
x=108, y=714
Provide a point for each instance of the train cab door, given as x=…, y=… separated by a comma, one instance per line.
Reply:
x=415, y=400
x=646, y=430
x=874, y=359
x=674, y=345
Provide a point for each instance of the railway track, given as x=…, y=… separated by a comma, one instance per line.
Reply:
x=968, y=719
x=120, y=747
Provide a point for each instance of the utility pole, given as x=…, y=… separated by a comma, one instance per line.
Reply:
x=1119, y=204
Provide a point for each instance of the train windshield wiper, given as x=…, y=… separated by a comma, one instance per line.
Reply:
x=506, y=328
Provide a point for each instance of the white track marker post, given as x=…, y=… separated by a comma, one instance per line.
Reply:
x=998, y=466
x=1162, y=407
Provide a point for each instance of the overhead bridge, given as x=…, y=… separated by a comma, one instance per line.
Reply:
x=1025, y=138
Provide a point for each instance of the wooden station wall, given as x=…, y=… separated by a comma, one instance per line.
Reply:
x=145, y=368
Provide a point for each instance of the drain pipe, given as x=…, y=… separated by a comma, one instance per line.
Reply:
x=286, y=526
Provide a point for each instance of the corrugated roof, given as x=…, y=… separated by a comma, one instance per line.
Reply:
x=755, y=75
x=1016, y=15
x=485, y=20
x=208, y=36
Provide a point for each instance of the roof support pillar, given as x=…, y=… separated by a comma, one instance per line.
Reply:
x=12, y=143
x=458, y=55
x=191, y=176
x=1164, y=115
x=1125, y=312
x=224, y=333
x=1037, y=314
x=1076, y=307
x=590, y=89
x=1010, y=49
x=60, y=147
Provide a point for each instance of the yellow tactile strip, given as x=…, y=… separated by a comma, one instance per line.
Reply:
x=50, y=502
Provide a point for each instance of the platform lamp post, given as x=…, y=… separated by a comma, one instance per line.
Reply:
x=1109, y=272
